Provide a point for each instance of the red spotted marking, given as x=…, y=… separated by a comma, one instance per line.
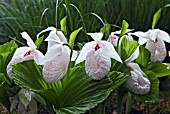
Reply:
x=97, y=47
x=27, y=53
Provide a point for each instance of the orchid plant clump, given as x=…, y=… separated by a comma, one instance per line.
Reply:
x=71, y=81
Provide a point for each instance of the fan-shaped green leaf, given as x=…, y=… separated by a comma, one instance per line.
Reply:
x=75, y=93
x=159, y=69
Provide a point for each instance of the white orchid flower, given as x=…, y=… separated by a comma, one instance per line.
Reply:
x=154, y=40
x=113, y=38
x=57, y=58
x=97, y=55
x=137, y=83
x=25, y=53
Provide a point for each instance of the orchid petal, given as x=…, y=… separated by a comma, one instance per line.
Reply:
x=85, y=50
x=20, y=52
x=74, y=55
x=45, y=30
x=29, y=40
x=111, y=50
x=96, y=36
x=157, y=49
x=56, y=67
x=119, y=45
x=38, y=57
x=97, y=64
x=143, y=37
x=113, y=39
x=164, y=36
x=52, y=37
x=130, y=38
x=133, y=56
x=61, y=36
x=118, y=32
x=24, y=54
x=17, y=58
x=137, y=83
x=50, y=53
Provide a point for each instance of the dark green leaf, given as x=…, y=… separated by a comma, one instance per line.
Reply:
x=4, y=99
x=159, y=69
x=2, y=79
x=156, y=18
x=144, y=56
x=75, y=93
x=100, y=109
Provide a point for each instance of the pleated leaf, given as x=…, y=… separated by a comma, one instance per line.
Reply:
x=74, y=94
x=159, y=69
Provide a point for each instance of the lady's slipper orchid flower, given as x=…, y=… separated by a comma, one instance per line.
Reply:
x=25, y=53
x=97, y=55
x=57, y=58
x=137, y=83
x=154, y=40
x=113, y=38
x=56, y=62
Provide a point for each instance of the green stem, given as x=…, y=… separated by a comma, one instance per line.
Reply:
x=56, y=9
x=129, y=103
x=120, y=94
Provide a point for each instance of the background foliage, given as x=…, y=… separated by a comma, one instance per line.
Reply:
x=34, y=15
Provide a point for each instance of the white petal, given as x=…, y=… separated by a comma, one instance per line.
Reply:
x=50, y=53
x=119, y=45
x=52, y=37
x=85, y=50
x=38, y=57
x=157, y=49
x=96, y=36
x=29, y=40
x=130, y=38
x=143, y=37
x=133, y=56
x=164, y=36
x=17, y=58
x=118, y=32
x=137, y=83
x=56, y=68
x=61, y=36
x=47, y=29
x=74, y=55
x=20, y=52
x=97, y=64
x=113, y=39
x=111, y=50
